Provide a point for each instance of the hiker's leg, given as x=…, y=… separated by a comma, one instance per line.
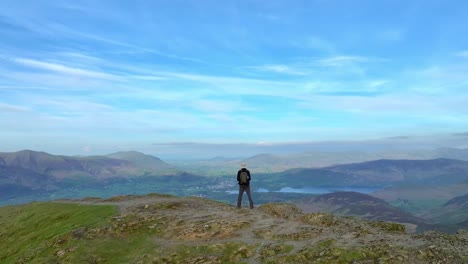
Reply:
x=239, y=197
x=247, y=190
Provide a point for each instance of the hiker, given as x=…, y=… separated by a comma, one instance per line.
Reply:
x=243, y=178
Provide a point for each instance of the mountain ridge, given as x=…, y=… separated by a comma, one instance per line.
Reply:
x=409, y=171
x=454, y=212
x=34, y=171
x=274, y=162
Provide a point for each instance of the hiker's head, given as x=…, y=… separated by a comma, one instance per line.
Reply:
x=243, y=165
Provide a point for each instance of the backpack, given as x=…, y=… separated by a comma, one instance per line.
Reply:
x=243, y=177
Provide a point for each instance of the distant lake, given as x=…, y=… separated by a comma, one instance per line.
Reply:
x=317, y=190
x=323, y=190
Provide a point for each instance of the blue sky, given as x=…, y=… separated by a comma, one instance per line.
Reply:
x=90, y=77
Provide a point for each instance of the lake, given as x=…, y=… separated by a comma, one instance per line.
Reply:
x=323, y=190
x=317, y=190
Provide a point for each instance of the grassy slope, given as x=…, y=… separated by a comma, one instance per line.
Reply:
x=156, y=229
x=28, y=232
x=45, y=232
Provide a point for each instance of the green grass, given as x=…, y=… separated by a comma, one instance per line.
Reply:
x=46, y=233
x=109, y=249
x=418, y=206
x=28, y=232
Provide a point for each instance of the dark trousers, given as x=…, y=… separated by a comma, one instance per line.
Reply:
x=243, y=188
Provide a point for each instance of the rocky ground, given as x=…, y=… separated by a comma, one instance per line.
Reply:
x=195, y=230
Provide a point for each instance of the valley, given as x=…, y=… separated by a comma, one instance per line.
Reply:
x=418, y=188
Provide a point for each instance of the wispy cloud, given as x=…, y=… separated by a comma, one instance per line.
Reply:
x=342, y=61
x=69, y=104
x=27, y=87
x=279, y=68
x=12, y=108
x=41, y=24
x=442, y=79
x=59, y=68
x=463, y=53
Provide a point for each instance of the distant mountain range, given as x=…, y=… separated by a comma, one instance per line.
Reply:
x=28, y=170
x=33, y=173
x=426, y=172
x=267, y=163
x=379, y=173
x=120, y=164
x=146, y=162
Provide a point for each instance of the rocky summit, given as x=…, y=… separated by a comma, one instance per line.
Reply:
x=167, y=229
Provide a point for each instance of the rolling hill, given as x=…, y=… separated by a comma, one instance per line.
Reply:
x=32, y=171
x=121, y=164
x=455, y=211
x=358, y=204
x=379, y=173
x=60, y=167
x=425, y=172
x=15, y=181
x=141, y=160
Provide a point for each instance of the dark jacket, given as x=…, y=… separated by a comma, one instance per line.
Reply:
x=248, y=175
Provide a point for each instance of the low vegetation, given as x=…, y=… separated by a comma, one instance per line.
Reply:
x=168, y=229
x=32, y=233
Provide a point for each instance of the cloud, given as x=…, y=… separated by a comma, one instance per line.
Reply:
x=86, y=70
x=40, y=23
x=123, y=80
x=463, y=54
x=219, y=106
x=81, y=58
x=28, y=87
x=148, y=77
x=378, y=83
x=279, y=68
x=342, y=61
x=13, y=108
x=337, y=66
x=131, y=46
x=59, y=68
x=442, y=80
x=69, y=104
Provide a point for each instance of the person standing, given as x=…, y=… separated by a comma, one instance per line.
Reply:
x=243, y=179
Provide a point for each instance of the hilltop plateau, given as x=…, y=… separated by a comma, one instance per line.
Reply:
x=167, y=229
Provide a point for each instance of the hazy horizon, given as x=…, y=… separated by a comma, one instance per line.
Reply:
x=203, y=150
